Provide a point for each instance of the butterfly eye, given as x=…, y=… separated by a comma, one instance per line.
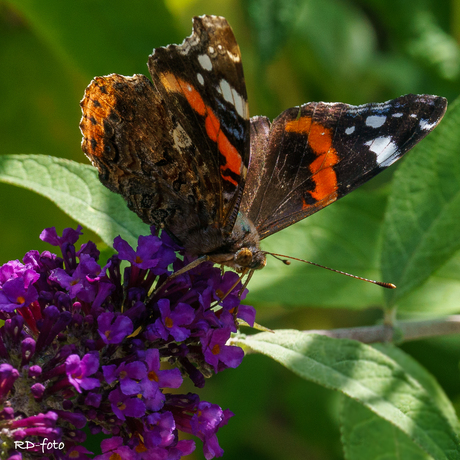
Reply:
x=258, y=260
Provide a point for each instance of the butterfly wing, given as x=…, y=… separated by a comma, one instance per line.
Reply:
x=204, y=89
x=126, y=131
x=312, y=155
x=177, y=150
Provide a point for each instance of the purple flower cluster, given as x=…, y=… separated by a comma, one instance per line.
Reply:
x=87, y=346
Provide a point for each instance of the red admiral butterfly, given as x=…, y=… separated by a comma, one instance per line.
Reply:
x=185, y=155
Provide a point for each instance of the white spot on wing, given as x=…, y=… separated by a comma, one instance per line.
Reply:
x=375, y=121
x=240, y=104
x=231, y=95
x=424, y=124
x=385, y=150
x=181, y=138
x=413, y=115
x=233, y=57
x=397, y=115
x=205, y=61
x=200, y=78
x=350, y=130
x=226, y=91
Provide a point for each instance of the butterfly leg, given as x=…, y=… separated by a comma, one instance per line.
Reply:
x=185, y=269
x=251, y=272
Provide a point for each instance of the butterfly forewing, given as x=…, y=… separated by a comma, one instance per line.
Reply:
x=202, y=85
x=314, y=154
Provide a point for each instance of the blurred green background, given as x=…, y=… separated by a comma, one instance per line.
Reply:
x=294, y=51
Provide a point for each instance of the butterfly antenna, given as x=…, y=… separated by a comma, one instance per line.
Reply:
x=287, y=262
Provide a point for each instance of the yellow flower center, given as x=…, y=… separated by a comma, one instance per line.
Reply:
x=153, y=376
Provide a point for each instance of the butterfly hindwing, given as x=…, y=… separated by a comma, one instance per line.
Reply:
x=134, y=154
x=314, y=154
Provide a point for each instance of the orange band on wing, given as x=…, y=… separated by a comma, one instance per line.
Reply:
x=177, y=85
x=232, y=157
x=320, y=139
x=301, y=125
x=320, y=142
x=98, y=103
x=212, y=125
x=170, y=82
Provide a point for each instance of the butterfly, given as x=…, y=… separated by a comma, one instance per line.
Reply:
x=185, y=155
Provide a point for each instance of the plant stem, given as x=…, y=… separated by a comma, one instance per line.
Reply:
x=402, y=332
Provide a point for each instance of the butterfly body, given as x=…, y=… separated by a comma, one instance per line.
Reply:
x=183, y=152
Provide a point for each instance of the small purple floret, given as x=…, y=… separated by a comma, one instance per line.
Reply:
x=173, y=322
x=216, y=352
x=114, y=331
x=78, y=371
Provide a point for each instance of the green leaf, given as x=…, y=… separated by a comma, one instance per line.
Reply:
x=422, y=222
x=368, y=376
x=360, y=423
x=76, y=189
x=430, y=43
x=362, y=433
x=419, y=373
x=438, y=296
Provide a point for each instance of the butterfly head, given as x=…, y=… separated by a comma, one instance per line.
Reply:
x=238, y=249
x=252, y=258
